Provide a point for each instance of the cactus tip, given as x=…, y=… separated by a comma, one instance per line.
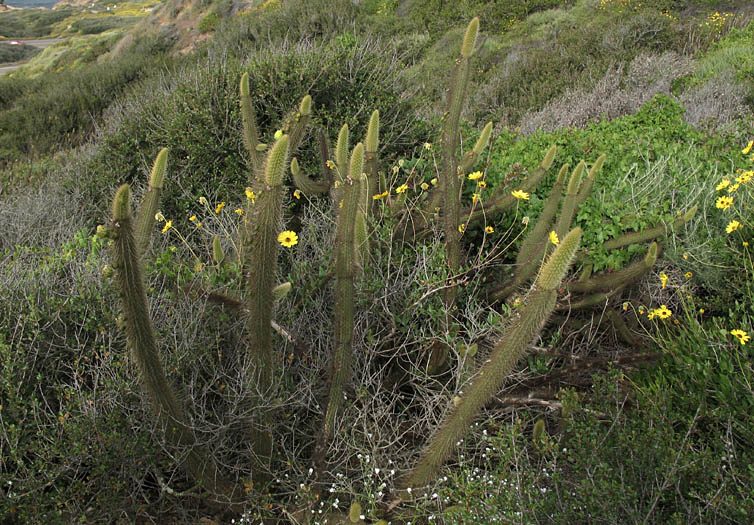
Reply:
x=245, y=85
x=597, y=166
x=555, y=268
x=122, y=203
x=469, y=39
x=373, y=132
x=158, y=169
x=276, y=161
x=689, y=214
x=306, y=105
x=549, y=157
x=651, y=257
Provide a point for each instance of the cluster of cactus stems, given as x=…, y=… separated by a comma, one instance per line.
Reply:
x=353, y=177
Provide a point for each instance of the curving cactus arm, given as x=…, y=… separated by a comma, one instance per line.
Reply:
x=538, y=307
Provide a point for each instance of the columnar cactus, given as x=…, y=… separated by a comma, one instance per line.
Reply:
x=345, y=269
x=509, y=350
x=261, y=229
x=141, y=343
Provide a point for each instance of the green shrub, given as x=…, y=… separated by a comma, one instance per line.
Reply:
x=193, y=112
x=209, y=22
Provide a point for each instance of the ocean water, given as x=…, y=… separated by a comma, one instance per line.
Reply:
x=31, y=3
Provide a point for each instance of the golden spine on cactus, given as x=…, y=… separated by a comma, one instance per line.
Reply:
x=361, y=234
x=341, y=153
x=277, y=159
x=281, y=290
x=145, y=220
x=532, y=247
x=503, y=200
x=218, y=255
x=537, y=308
x=652, y=233
x=469, y=38
x=143, y=347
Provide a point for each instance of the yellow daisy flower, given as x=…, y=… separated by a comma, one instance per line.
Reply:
x=664, y=280
x=475, y=176
x=723, y=184
x=520, y=195
x=192, y=218
x=239, y=211
x=747, y=149
x=402, y=188
x=167, y=226
x=250, y=195
x=330, y=164
x=745, y=177
x=481, y=184
x=462, y=228
x=297, y=194
x=427, y=146
x=662, y=312
x=732, y=226
x=475, y=197
x=724, y=202
x=733, y=187
x=425, y=186
x=554, y=238
x=288, y=238
x=219, y=207
x=688, y=275
x=742, y=336
x=380, y=195
x=489, y=229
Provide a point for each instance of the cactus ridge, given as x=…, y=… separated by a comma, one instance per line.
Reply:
x=652, y=233
x=305, y=183
x=345, y=268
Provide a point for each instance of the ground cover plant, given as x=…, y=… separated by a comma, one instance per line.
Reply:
x=85, y=437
